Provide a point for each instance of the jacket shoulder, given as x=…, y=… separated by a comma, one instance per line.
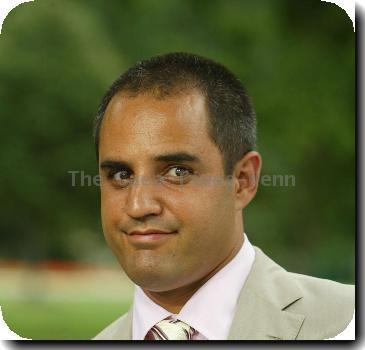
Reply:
x=324, y=307
x=328, y=306
x=112, y=332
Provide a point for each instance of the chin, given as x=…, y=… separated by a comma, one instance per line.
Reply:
x=152, y=279
x=157, y=284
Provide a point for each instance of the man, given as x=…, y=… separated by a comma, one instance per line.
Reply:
x=175, y=139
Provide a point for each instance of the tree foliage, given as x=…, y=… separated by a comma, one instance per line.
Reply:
x=296, y=58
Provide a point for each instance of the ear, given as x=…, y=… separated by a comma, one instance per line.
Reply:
x=246, y=176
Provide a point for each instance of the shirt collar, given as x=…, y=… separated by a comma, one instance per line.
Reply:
x=210, y=310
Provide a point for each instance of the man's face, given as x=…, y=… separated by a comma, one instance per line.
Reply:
x=157, y=164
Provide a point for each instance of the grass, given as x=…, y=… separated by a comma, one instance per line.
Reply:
x=39, y=320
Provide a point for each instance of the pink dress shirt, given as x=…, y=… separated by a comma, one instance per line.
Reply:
x=210, y=310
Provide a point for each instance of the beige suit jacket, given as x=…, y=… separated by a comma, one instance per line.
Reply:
x=276, y=304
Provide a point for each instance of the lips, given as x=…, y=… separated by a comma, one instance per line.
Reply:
x=149, y=232
x=149, y=238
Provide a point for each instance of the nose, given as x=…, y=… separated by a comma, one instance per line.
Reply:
x=142, y=200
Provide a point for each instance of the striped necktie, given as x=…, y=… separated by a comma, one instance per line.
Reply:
x=170, y=329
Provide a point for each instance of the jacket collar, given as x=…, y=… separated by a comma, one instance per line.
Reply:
x=124, y=331
x=262, y=310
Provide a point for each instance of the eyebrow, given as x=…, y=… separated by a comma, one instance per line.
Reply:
x=167, y=157
x=114, y=164
x=177, y=157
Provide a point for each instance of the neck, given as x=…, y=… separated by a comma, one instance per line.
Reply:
x=174, y=300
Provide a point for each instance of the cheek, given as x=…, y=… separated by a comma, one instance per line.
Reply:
x=205, y=209
x=111, y=209
x=111, y=213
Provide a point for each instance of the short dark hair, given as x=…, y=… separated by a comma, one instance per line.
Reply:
x=232, y=120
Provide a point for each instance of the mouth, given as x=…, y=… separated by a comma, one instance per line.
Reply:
x=149, y=237
x=150, y=232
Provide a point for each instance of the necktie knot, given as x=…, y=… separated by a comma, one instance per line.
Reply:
x=170, y=329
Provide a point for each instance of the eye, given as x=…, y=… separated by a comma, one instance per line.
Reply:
x=178, y=171
x=123, y=174
x=120, y=178
x=177, y=174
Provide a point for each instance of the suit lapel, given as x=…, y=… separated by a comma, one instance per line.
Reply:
x=124, y=331
x=127, y=334
x=258, y=319
x=262, y=309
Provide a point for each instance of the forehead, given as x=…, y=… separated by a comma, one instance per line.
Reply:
x=144, y=125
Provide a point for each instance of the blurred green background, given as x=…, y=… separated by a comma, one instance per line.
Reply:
x=57, y=58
